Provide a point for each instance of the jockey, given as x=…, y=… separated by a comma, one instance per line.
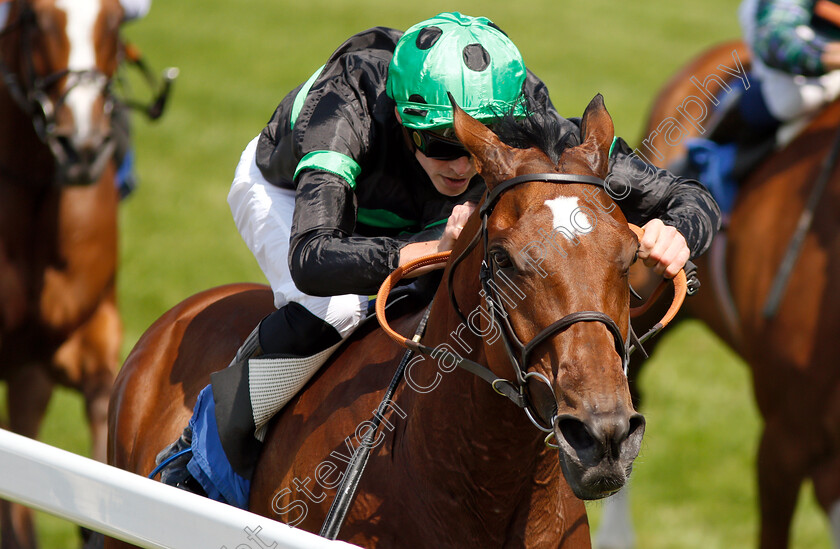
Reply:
x=124, y=153
x=795, y=47
x=796, y=57
x=358, y=172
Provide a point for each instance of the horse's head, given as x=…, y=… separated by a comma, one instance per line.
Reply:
x=59, y=57
x=557, y=253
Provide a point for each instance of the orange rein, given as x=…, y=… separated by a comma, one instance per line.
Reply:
x=679, y=281
x=828, y=11
x=680, y=289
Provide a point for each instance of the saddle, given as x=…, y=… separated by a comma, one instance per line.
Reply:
x=742, y=133
x=249, y=393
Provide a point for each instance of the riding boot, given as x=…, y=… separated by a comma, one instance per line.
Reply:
x=231, y=413
x=172, y=461
x=288, y=339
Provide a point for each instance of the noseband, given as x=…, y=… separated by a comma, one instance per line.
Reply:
x=518, y=352
x=32, y=95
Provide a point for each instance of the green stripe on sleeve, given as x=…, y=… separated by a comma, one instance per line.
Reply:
x=383, y=218
x=436, y=223
x=301, y=97
x=332, y=162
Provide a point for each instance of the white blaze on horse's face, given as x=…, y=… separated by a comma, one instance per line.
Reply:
x=570, y=219
x=81, y=99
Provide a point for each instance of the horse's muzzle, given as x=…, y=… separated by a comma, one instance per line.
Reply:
x=83, y=165
x=597, y=451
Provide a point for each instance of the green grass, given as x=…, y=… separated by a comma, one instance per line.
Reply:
x=693, y=486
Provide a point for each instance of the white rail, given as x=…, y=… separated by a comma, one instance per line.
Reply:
x=133, y=508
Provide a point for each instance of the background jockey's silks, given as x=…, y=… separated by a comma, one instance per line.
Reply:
x=359, y=196
x=788, y=35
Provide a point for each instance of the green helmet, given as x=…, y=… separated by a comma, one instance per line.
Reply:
x=469, y=57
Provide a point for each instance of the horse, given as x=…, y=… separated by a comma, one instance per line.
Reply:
x=58, y=217
x=791, y=354
x=455, y=465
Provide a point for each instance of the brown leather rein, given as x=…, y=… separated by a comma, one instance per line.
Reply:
x=518, y=352
x=441, y=258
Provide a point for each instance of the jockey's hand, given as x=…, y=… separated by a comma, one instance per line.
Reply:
x=663, y=248
x=460, y=214
x=454, y=226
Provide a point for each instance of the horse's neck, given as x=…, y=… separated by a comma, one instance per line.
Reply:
x=462, y=434
x=24, y=158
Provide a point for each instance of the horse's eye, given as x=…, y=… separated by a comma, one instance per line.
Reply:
x=501, y=258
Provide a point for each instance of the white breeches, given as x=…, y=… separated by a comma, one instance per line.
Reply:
x=263, y=215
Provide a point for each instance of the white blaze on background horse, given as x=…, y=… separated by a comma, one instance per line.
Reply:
x=58, y=202
x=85, y=84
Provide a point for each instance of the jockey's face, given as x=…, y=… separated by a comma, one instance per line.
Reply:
x=450, y=177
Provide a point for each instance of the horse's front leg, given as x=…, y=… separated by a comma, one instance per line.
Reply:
x=84, y=248
x=29, y=390
x=780, y=475
x=827, y=490
x=88, y=362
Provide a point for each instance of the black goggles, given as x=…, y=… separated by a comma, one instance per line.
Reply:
x=437, y=146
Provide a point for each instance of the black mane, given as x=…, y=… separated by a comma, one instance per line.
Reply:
x=539, y=129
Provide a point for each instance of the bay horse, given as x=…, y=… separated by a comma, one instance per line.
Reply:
x=792, y=354
x=58, y=216
x=455, y=465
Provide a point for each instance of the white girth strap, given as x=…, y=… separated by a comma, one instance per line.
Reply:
x=273, y=382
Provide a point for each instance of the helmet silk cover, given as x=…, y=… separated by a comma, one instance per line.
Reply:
x=468, y=57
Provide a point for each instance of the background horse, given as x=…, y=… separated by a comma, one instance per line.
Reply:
x=58, y=216
x=792, y=355
x=455, y=465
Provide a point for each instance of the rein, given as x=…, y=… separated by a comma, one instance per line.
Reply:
x=518, y=353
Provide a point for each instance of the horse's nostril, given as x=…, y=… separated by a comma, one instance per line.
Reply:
x=603, y=434
x=576, y=434
x=636, y=422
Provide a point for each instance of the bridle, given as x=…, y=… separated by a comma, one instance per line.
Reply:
x=31, y=91
x=518, y=353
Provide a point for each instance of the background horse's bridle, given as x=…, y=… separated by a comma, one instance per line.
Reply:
x=518, y=353
x=32, y=94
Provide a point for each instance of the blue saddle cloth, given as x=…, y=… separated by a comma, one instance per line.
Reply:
x=714, y=163
x=209, y=464
x=125, y=179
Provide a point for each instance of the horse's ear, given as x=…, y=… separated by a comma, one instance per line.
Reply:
x=490, y=155
x=597, y=133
